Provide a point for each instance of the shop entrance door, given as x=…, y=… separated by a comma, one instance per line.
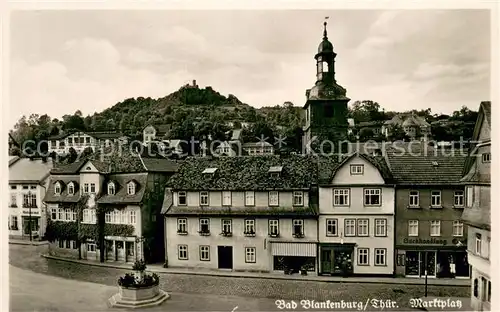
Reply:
x=120, y=250
x=326, y=261
x=431, y=263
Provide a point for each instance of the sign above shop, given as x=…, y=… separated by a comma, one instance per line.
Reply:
x=33, y=212
x=425, y=241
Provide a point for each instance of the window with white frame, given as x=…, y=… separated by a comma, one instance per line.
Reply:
x=436, y=198
x=86, y=215
x=13, y=223
x=13, y=200
x=226, y=198
x=57, y=188
x=298, y=198
x=478, y=244
x=204, y=253
x=436, y=228
x=53, y=213
x=91, y=246
x=331, y=227
x=124, y=217
x=67, y=214
x=341, y=197
x=85, y=188
x=298, y=228
x=249, y=198
x=116, y=217
x=204, y=226
x=469, y=195
x=60, y=211
x=111, y=188
x=486, y=157
x=458, y=228
x=380, y=227
x=274, y=228
x=357, y=169
x=459, y=198
x=273, y=198
x=414, y=199
x=93, y=216
x=363, y=256
x=182, y=196
x=107, y=217
x=412, y=227
x=133, y=217
x=92, y=188
x=249, y=226
x=226, y=226
x=363, y=227
x=350, y=227
x=250, y=255
x=131, y=188
x=182, y=225
x=204, y=198
x=182, y=251
x=71, y=188
x=372, y=197
x=380, y=256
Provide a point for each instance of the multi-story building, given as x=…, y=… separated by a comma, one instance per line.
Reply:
x=429, y=202
x=413, y=125
x=356, y=216
x=258, y=148
x=477, y=212
x=28, y=181
x=80, y=140
x=242, y=213
x=122, y=203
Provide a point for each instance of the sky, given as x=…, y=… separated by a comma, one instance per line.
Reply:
x=63, y=61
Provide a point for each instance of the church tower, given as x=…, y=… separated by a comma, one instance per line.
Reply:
x=326, y=105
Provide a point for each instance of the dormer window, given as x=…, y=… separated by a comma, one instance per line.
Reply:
x=209, y=171
x=275, y=171
x=71, y=188
x=131, y=188
x=111, y=188
x=57, y=188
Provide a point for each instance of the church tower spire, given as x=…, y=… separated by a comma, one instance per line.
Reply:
x=326, y=106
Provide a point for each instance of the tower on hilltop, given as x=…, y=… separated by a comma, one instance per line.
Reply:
x=326, y=105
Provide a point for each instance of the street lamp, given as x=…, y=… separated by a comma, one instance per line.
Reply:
x=425, y=264
x=29, y=215
x=140, y=240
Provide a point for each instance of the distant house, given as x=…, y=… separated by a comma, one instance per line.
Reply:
x=152, y=133
x=80, y=140
x=413, y=125
x=230, y=147
x=258, y=148
x=375, y=126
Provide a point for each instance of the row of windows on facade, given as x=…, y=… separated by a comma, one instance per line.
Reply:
x=363, y=257
x=249, y=229
x=204, y=253
x=91, y=188
x=273, y=198
x=71, y=244
x=80, y=141
x=89, y=216
x=435, y=228
x=341, y=197
x=29, y=200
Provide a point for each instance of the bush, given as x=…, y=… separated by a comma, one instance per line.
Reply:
x=139, y=265
x=130, y=281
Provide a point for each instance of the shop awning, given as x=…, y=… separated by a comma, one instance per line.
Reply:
x=294, y=249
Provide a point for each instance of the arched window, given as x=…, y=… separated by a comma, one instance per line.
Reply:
x=111, y=188
x=57, y=188
x=476, y=288
x=71, y=188
x=131, y=188
x=325, y=67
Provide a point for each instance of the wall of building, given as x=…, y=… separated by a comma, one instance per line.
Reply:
x=38, y=212
x=238, y=240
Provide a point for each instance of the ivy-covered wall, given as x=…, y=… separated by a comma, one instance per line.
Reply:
x=69, y=231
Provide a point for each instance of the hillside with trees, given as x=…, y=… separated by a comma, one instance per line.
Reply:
x=198, y=112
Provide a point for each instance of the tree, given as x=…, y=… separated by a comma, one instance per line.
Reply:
x=366, y=111
x=74, y=122
x=397, y=133
x=73, y=155
x=366, y=134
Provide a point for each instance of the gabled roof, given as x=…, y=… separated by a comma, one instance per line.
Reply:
x=160, y=165
x=75, y=167
x=484, y=113
x=245, y=173
x=257, y=144
x=329, y=166
x=24, y=170
x=417, y=168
